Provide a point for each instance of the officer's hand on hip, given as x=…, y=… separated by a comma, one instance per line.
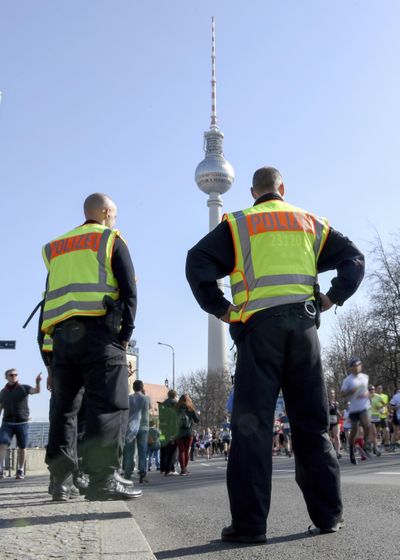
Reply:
x=226, y=317
x=325, y=302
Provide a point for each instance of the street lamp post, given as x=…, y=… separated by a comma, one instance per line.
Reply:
x=173, y=361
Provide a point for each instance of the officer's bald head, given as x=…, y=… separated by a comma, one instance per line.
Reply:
x=267, y=180
x=101, y=208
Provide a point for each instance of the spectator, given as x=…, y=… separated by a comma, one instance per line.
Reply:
x=186, y=415
x=14, y=402
x=153, y=446
x=167, y=414
x=137, y=433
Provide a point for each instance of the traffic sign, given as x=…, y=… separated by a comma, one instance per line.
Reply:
x=7, y=344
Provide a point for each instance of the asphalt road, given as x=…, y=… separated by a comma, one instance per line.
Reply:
x=182, y=517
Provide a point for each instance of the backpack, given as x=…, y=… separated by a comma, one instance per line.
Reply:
x=185, y=422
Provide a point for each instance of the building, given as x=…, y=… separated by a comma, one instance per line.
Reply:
x=157, y=393
x=214, y=176
x=38, y=434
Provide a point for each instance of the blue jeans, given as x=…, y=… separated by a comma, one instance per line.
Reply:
x=153, y=452
x=128, y=463
x=7, y=431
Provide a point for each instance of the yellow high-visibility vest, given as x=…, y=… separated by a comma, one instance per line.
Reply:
x=80, y=274
x=277, y=246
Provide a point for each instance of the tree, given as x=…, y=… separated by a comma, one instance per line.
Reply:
x=385, y=310
x=372, y=333
x=209, y=392
x=351, y=337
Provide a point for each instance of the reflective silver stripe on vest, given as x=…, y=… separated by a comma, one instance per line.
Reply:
x=73, y=288
x=73, y=305
x=261, y=303
x=276, y=280
x=101, y=256
x=319, y=228
x=245, y=247
x=47, y=251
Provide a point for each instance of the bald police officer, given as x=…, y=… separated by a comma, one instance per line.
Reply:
x=272, y=252
x=89, y=311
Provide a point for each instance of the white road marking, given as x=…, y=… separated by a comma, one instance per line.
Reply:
x=395, y=472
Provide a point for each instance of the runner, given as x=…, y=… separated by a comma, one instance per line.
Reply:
x=346, y=426
x=384, y=414
x=334, y=422
x=355, y=387
x=287, y=436
x=375, y=415
x=395, y=404
x=226, y=437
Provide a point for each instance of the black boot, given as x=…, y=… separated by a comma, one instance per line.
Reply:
x=74, y=491
x=62, y=488
x=110, y=489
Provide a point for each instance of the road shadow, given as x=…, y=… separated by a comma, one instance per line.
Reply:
x=218, y=546
x=48, y=520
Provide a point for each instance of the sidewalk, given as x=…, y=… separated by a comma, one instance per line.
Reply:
x=32, y=527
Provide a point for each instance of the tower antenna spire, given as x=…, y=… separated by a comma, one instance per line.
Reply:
x=213, y=78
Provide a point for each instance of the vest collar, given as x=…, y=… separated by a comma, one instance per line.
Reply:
x=266, y=197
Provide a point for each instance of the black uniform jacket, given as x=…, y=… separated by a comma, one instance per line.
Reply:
x=213, y=257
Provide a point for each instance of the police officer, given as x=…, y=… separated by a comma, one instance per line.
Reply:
x=273, y=252
x=89, y=311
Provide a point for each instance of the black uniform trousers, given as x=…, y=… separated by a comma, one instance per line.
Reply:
x=281, y=352
x=86, y=354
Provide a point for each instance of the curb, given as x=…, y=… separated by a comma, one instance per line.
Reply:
x=121, y=537
x=33, y=527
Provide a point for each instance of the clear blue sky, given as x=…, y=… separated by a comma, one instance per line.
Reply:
x=115, y=96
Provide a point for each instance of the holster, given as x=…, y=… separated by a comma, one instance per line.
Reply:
x=113, y=317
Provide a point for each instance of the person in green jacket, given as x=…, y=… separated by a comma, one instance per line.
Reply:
x=186, y=415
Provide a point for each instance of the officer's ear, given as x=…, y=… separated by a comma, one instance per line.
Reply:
x=281, y=190
x=253, y=193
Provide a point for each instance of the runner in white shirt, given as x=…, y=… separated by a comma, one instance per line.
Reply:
x=355, y=387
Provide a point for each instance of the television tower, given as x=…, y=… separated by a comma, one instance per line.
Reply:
x=214, y=176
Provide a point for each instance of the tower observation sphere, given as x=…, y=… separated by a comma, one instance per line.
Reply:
x=214, y=174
